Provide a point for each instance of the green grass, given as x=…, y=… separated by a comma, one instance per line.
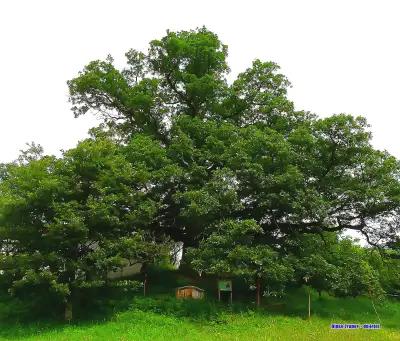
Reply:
x=160, y=316
x=140, y=325
x=165, y=318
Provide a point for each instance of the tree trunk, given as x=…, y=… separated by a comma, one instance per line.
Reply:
x=145, y=284
x=258, y=291
x=68, y=311
x=143, y=270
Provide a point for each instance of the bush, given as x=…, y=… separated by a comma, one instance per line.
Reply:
x=193, y=309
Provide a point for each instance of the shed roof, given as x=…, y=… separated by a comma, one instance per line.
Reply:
x=189, y=286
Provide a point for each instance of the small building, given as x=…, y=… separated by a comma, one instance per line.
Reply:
x=189, y=291
x=126, y=271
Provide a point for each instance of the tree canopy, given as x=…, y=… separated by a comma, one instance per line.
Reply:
x=242, y=149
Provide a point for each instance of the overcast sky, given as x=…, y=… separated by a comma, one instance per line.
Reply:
x=341, y=56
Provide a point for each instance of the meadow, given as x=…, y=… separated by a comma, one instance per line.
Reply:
x=160, y=316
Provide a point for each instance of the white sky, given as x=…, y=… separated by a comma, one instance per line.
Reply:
x=341, y=56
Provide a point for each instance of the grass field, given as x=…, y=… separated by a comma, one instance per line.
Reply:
x=161, y=317
x=139, y=325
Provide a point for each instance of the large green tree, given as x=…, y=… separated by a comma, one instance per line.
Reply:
x=65, y=223
x=337, y=265
x=241, y=148
x=180, y=151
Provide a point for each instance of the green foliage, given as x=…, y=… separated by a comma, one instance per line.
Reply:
x=65, y=223
x=191, y=65
x=236, y=248
x=336, y=265
x=289, y=170
x=192, y=309
x=232, y=170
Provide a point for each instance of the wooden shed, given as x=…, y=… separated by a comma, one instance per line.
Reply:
x=189, y=291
